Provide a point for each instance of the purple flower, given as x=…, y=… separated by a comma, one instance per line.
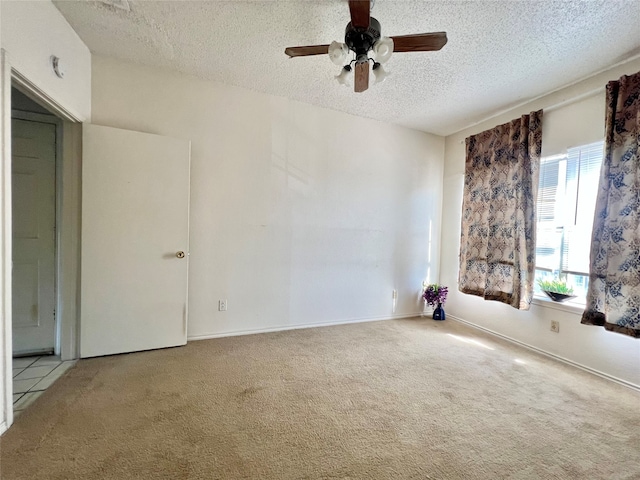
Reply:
x=435, y=294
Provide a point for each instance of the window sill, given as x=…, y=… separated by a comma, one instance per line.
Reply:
x=570, y=307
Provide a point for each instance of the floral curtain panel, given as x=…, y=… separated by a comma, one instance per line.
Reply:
x=613, y=297
x=497, y=248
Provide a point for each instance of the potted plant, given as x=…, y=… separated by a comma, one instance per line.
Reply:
x=435, y=295
x=556, y=289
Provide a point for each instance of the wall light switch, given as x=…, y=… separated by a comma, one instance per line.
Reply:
x=222, y=305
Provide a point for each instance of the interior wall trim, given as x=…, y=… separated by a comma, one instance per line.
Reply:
x=281, y=328
x=35, y=93
x=593, y=371
x=6, y=362
x=3, y=427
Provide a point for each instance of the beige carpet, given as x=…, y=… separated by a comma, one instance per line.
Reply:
x=406, y=399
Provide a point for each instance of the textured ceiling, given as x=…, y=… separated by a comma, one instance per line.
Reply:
x=500, y=53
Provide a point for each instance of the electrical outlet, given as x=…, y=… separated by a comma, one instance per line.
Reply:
x=555, y=326
x=222, y=305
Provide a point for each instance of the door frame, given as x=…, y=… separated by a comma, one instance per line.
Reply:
x=70, y=154
x=57, y=122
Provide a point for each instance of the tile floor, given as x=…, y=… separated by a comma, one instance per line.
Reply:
x=32, y=376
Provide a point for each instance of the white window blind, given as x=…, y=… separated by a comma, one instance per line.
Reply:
x=583, y=175
x=550, y=190
x=565, y=208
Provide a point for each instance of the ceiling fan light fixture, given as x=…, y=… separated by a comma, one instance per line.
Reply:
x=345, y=75
x=383, y=49
x=338, y=52
x=379, y=72
x=363, y=39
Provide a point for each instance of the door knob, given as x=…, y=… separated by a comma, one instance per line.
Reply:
x=180, y=254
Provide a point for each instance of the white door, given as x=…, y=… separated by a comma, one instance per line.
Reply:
x=135, y=240
x=34, y=219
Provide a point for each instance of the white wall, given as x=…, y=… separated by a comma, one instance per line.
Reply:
x=32, y=31
x=299, y=215
x=579, y=119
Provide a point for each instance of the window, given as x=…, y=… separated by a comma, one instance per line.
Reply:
x=566, y=204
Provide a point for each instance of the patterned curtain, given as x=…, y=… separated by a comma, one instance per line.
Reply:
x=613, y=298
x=497, y=247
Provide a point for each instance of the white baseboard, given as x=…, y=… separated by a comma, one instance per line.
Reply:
x=298, y=327
x=3, y=427
x=593, y=371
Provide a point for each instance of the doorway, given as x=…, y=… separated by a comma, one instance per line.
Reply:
x=35, y=146
x=36, y=168
x=27, y=99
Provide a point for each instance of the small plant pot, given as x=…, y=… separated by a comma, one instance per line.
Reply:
x=559, y=297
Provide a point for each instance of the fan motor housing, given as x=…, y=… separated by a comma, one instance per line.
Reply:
x=362, y=40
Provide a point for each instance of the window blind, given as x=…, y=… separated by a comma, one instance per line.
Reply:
x=565, y=207
x=583, y=175
x=547, y=233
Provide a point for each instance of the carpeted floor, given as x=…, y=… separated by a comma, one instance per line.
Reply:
x=405, y=399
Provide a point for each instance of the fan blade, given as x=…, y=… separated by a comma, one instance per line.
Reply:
x=361, y=77
x=420, y=42
x=304, y=51
x=360, y=12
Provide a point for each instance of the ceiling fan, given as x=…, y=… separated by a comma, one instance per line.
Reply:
x=361, y=36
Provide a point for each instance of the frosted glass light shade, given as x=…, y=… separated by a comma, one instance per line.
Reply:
x=380, y=73
x=338, y=52
x=383, y=49
x=345, y=75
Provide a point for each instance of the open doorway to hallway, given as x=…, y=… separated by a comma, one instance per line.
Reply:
x=34, y=133
x=36, y=145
